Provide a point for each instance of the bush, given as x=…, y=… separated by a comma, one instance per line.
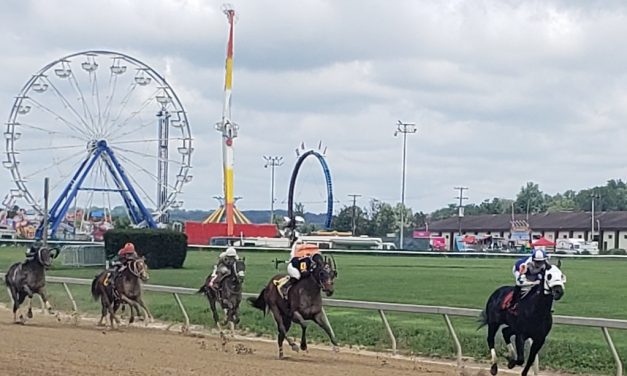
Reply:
x=161, y=248
x=614, y=251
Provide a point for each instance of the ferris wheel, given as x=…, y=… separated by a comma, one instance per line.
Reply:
x=108, y=131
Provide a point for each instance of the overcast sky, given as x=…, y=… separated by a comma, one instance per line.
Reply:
x=502, y=92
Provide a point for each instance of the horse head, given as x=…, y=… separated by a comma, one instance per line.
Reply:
x=554, y=281
x=240, y=270
x=140, y=269
x=45, y=256
x=325, y=272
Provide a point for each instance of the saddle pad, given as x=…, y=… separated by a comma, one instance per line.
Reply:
x=507, y=300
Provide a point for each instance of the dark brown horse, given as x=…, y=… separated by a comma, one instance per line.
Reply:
x=125, y=288
x=304, y=302
x=24, y=279
x=228, y=295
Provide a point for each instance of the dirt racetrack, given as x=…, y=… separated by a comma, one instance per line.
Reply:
x=47, y=346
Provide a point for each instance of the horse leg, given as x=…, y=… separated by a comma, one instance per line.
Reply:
x=147, y=315
x=322, y=322
x=109, y=303
x=492, y=329
x=214, y=311
x=535, y=348
x=103, y=311
x=520, y=350
x=507, y=336
x=282, y=328
x=44, y=295
x=13, y=293
x=298, y=318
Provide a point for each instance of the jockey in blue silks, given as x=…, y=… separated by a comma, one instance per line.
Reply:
x=528, y=271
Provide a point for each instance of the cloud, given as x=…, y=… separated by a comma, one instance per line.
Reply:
x=502, y=92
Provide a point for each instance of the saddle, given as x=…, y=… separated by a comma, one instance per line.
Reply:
x=279, y=283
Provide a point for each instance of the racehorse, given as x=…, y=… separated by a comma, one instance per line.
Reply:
x=24, y=279
x=125, y=288
x=304, y=302
x=532, y=319
x=229, y=295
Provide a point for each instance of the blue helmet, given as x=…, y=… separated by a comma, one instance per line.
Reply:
x=538, y=255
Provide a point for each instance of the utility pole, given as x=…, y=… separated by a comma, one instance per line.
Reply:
x=272, y=162
x=353, y=227
x=460, y=208
x=593, y=196
x=404, y=128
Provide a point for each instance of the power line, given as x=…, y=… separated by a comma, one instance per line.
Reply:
x=460, y=208
x=354, y=196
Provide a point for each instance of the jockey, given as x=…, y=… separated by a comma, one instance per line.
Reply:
x=303, y=259
x=224, y=267
x=125, y=254
x=528, y=271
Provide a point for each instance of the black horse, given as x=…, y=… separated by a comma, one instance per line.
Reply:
x=531, y=320
x=24, y=279
x=304, y=302
x=228, y=295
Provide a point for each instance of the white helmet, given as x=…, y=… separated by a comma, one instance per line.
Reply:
x=538, y=255
x=230, y=252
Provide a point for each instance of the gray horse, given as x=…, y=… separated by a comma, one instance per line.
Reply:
x=125, y=288
x=24, y=279
x=228, y=295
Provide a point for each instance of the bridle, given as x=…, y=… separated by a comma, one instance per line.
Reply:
x=133, y=268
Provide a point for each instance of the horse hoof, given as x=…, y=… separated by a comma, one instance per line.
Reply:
x=494, y=369
x=511, y=363
x=29, y=314
x=303, y=347
x=280, y=356
x=295, y=348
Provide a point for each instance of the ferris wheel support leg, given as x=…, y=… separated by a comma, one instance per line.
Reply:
x=63, y=202
x=145, y=213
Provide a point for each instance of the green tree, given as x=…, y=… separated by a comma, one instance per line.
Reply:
x=344, y=220
x=530, y=199
x=383, y=219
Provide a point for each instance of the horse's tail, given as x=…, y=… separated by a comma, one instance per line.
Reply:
x=259, y=302
x=482, y=319
x=95, y=291
x=202, y=289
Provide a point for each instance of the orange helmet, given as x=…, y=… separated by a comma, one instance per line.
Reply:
x=306, y=250
x=128, y=249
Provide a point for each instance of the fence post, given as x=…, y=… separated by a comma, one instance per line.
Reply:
x=326, y=319
x=182, y=307
x=458, y=345
x=610, y=343
x=389, y=330
x=67, y=290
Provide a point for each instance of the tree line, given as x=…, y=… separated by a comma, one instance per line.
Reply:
x=381, y=219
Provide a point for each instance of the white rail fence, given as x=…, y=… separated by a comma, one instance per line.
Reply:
x=382, y=308
x=342, y=251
